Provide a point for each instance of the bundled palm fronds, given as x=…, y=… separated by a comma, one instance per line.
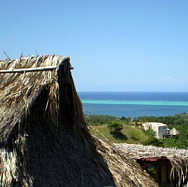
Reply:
x=178, y=157
x=125, y=170
x=44, y=140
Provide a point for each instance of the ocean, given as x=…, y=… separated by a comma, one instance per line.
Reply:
x=134, y=104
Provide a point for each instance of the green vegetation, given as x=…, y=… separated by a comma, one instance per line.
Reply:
x=152, y=140
x=126, y=120
x=121, y=130
x=116, y=130
x=179, y=121
x=99, y=119
x=115, y=127
x=129, y=134
x=171, y=121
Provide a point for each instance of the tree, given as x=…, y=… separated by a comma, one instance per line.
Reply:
x=127, y=120
x=115, y=127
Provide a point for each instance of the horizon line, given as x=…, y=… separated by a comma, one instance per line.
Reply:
x=137, y=91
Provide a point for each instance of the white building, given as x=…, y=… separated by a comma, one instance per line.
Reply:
x=160, y=129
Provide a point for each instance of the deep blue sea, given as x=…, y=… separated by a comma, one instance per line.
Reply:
x=134, y=104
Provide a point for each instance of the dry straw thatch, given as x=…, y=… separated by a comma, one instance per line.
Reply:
x=173, y=132
x=44, y=140
x=178, y=157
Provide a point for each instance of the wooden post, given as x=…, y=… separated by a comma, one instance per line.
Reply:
x=164, y=173
x=158, y=172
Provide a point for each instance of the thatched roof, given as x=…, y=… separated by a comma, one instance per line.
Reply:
x=173, y=132
x=19, y=90
x=125, y=170
x=44, y=138
x=177, y=157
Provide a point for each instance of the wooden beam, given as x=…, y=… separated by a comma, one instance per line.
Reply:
x=29, y=69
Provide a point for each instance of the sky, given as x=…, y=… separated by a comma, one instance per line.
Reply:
x=122, y=45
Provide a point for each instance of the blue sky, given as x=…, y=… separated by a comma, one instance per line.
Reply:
x=122, y=45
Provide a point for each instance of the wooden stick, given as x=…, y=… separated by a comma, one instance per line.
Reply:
x=29, y=69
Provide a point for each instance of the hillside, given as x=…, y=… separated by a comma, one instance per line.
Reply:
x=129, y=134
x=132, y=133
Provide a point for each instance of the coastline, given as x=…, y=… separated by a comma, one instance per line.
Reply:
x=134, y=104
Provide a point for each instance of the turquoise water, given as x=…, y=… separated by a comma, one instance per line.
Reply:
x=118, y=102
x=133, y=104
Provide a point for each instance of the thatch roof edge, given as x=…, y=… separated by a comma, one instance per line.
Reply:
x=23, y=113
x=178, y=158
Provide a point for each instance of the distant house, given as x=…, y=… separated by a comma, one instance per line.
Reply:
x=173, y=132
x=160, y=129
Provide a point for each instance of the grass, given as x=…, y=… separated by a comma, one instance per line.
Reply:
x=129, y=134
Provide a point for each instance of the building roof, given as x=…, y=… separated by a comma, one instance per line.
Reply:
x=19, y=90
x=65, y=155
x=154, y=123
x=177, y=157
x=174, y=132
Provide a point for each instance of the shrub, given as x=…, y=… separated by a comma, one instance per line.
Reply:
x=115, y=127
x=150, y=132
x=153, y=141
